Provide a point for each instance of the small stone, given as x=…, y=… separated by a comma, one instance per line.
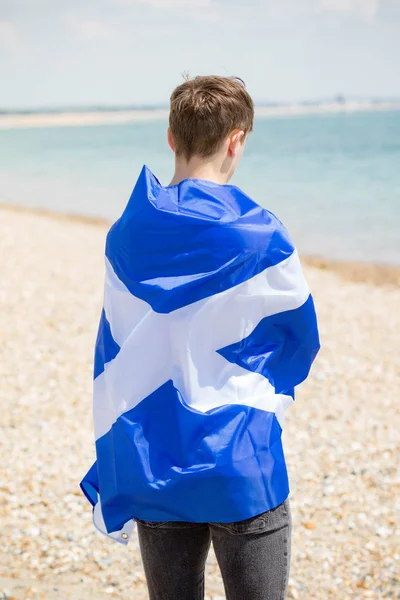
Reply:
x=309, y=524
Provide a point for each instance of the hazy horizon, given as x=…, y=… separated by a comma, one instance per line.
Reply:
x=144, y=107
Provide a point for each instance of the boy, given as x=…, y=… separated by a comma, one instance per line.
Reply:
x=208, y=325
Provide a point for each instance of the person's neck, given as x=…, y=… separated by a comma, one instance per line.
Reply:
x=196, y=169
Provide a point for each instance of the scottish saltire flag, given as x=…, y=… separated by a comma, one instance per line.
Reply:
x=208, y=325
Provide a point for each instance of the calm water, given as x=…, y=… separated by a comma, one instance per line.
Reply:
x=333, y=180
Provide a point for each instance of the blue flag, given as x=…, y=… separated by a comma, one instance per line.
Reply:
x=207, y=326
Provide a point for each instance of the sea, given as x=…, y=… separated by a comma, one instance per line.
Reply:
x=332, y=179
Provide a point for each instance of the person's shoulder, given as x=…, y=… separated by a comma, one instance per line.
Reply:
x=264, y=215
x=262, y=232
x=274, y=219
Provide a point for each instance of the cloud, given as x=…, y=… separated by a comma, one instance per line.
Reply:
x=90, y=30
x=204, y=10
x=8, y=36
x=367, y=8
x=190, y=5
x=288, y=9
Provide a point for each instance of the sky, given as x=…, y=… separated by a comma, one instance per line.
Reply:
x=133, y=52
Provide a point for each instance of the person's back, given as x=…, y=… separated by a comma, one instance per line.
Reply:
x=208, y=325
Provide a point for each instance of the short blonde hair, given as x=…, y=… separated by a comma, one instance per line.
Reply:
x=204, y=110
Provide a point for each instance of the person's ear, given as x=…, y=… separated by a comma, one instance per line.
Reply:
x=235, y=139
x=170, y=139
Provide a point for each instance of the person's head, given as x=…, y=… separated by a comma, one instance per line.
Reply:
x=210, y=118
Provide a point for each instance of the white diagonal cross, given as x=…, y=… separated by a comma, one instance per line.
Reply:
x=182, y=345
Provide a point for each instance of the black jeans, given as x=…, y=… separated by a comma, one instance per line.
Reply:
x=253, y=556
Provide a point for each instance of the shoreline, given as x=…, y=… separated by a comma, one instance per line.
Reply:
x=114, y=117
x=357, y=272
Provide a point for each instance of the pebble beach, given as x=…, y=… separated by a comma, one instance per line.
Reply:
x=341, y=435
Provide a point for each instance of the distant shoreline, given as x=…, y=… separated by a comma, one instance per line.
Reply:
x=356, y=272
x=19, y=120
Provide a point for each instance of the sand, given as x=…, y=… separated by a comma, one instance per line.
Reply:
x=341, y=435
